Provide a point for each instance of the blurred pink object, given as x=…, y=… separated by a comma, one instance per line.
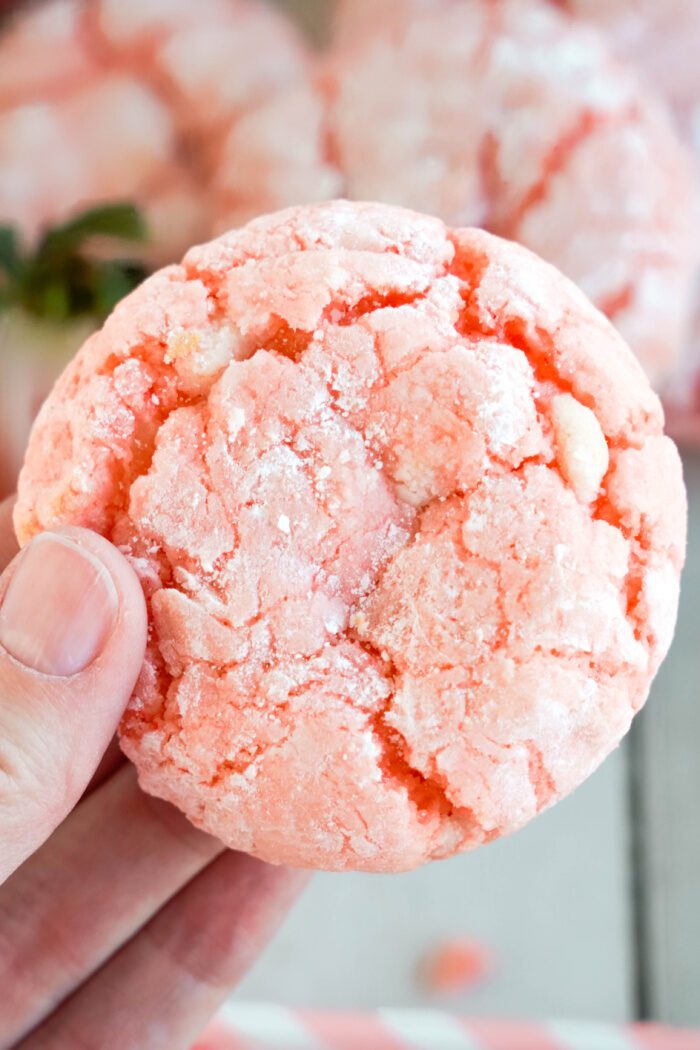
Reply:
x=510, y=115
x=129, y=99
x=455, y=965
x=243, y=1026
x=662, y=38
x=356, y=20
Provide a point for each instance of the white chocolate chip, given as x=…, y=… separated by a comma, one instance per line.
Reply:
x=283, y=524
x=359, y=622
x=236, y=422
x=199, y=357
x=581, y=448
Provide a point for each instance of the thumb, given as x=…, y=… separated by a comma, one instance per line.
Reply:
x=72, y=638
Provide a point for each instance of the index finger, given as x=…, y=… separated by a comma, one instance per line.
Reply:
x=8, y=541
x=162, y=987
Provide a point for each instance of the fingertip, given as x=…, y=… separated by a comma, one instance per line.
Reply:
x=131, y=621
x=73, y=630
x=69, y=602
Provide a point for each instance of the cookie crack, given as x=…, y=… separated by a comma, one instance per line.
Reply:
x=515, y=333
x=429, y=795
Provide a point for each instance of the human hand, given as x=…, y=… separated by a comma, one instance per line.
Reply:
x=121, y=925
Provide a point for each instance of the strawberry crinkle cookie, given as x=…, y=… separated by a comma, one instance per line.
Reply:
x=663, y=41
x=407, y=523
x=126, y=99
x=506, y=115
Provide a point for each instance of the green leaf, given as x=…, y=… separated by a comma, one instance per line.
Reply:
x=116, y=221
x=111, y=282
x=10, y=260
x=65, y=277
x=53, y=301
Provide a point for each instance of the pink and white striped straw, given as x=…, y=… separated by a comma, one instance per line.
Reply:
x=251, y=1026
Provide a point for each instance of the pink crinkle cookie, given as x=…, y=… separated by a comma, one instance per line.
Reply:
x=128, y=99
x=663, y=41
x=408, y=526
x=507, y=114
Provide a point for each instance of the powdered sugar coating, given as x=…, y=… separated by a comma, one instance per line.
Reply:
x=508, y=115
x=386, y=625
x=129, y=99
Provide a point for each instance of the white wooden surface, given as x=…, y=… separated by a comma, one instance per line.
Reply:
x=669, y=779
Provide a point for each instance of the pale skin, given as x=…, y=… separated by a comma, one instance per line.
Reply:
x=121, y=925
